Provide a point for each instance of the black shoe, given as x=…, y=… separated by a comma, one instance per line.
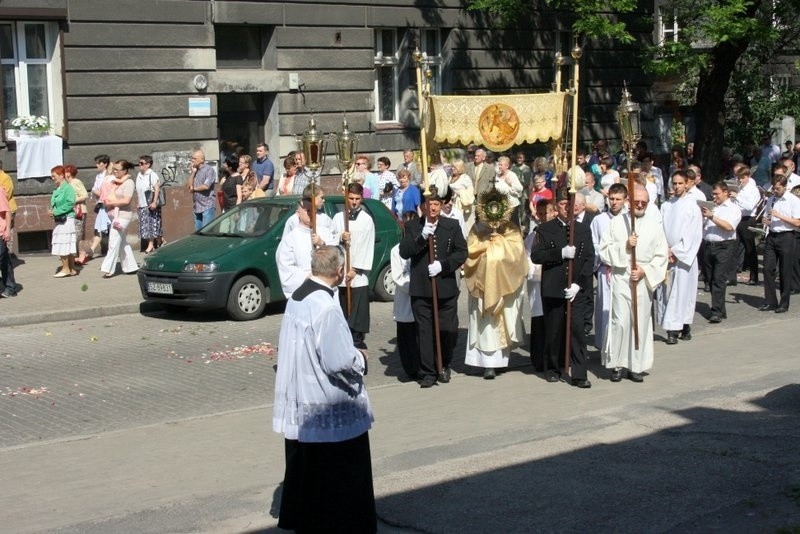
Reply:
x=428, y=381
x=489, y=374
x=752, y=282
x=581, y=383
x=715, y=319
x=552, y=376
x=707, y=288
x=686, y=333
x=766, y=307
x=444, y=376
x=635, y=377
x=6, y=294
x=616, y=375
x=781, y=310
x=733, y=283
x=672, y=338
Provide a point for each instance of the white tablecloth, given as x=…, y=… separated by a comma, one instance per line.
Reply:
x=37, y=155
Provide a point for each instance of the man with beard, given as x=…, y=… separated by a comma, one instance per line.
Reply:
x=619, y=350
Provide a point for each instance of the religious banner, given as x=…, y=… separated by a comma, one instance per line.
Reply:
x=497, y=122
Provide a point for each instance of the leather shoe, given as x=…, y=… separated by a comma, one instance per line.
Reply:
x=428, y=381
x=686, y=333
x=672, y=339
x=766, y=307
x=581, y=383
x=444, y=376
x=707, y=288
x=616, y=375
x=781, y=310
x=715, y=319
x=552, y=376
x=489, y=374
x=635, y=377
x=732, y=283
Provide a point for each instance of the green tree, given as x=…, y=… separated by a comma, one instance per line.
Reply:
x=714, y=38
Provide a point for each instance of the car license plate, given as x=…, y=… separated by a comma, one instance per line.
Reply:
x=158, y=287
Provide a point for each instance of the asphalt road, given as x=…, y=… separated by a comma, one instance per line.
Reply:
x=159, y=423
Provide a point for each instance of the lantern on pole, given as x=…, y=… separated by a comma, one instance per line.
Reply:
x=628, y=116
x=346, y=145
x=312, y=144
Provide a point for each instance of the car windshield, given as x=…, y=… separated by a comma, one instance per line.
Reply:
x=245, y=220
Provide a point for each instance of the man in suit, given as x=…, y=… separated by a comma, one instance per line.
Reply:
x=450, y=252
x=586, y=294
x=553, y=252
x=481, y=172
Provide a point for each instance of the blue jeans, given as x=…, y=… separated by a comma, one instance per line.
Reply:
x=204, y=217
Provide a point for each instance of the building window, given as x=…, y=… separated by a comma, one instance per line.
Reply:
x=395, y=70
x=387, y=60
x=666, y=25
x=31, y=71
x=241, y=46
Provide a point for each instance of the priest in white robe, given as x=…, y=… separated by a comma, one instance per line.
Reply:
x=619, y=351
x=495, y=272
x=683, y=226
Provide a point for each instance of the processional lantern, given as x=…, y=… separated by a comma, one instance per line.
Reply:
x=312, y=144
x=629, y=118
x=346, y=145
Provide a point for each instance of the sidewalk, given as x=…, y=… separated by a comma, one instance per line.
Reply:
x=44, y=298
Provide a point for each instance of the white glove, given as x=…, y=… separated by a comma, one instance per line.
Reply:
x=571, y=291
x=434, y=269
x=568, y=252
x=428, y=230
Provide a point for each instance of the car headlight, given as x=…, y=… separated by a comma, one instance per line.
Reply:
x=200, y=267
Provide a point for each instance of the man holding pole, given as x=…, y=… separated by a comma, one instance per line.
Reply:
x=434, y=287
x=617, y=246
x=358, y=236
x=553, y=252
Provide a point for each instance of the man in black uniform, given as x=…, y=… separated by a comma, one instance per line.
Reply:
x=450, y=252
x=553, y=252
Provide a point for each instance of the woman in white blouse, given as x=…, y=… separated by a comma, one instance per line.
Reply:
x=508, y=184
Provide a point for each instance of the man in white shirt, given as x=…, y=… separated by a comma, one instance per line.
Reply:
x=719, y=237
x=653, y=175
x=747, y=200
x=595, y=203
x=783, y=215
x=683, y=226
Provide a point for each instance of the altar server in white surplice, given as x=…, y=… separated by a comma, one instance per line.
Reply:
x=293, y=256
x=619, y=352
x=683, y=226
x=617, y=196
x=360, y=236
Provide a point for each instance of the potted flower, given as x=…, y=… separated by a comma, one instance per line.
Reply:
x=32, y=125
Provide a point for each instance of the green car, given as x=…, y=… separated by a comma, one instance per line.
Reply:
x=230, y=263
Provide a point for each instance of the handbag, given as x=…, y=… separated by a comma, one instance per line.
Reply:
x=160, y=201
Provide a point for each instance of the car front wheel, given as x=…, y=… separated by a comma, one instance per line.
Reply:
x=384, y=285
x=247, y=299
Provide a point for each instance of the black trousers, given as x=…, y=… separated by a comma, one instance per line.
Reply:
x=586, y=298
x=537, y=343
x=555, y=330
x=358, y=318
x=779, y=257
x=718, y=259
x=408, y=348
x=747, y=240
x=422, y=307
x=796, y=264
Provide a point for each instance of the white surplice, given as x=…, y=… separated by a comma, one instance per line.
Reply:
x=683, y=226
x=362, y=245
x=602, y=300
x=651, y=255
x=293, y=257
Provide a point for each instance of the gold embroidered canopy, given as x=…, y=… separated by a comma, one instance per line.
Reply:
x=497, y=122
